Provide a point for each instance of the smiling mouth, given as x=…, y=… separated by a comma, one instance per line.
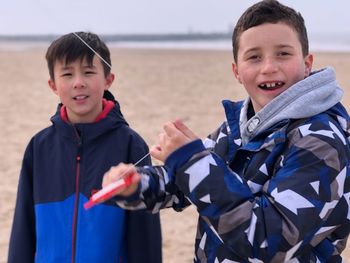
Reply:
x=271, y=85
x=80, y=97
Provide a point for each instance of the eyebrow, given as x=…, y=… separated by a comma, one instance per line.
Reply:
x=285, y=46
x=67, y=67
x=254, y=49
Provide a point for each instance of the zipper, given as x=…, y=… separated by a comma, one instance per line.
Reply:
x=76, y=202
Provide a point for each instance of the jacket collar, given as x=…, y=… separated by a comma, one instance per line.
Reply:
x=109, y=119
x=107, y=107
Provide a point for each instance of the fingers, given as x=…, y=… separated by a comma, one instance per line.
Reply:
x=121, y=171
x=129, y=190
x=170, y=129
x=178, y=127
x=156, y=152
x=175, y=135
x=184, y=129
x=117, y=172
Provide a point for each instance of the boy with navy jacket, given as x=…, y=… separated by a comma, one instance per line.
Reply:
x=271, y=184
x=63, y=165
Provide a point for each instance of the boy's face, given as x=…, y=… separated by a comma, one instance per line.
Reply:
x=80, y=87
x=269, y=61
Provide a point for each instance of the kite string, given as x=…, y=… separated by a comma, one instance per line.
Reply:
x=86, y=44
x=95, y=52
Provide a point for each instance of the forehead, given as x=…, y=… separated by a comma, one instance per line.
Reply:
x=268, y=35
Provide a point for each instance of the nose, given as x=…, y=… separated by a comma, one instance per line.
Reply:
x=79, y=82
x=270, y=65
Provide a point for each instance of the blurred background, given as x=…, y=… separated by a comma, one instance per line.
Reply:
x=159, y=23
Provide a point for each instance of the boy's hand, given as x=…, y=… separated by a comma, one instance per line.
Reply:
x=120, y=171
x=175, y=135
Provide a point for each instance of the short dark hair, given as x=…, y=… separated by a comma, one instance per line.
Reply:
x=69, y=48
x=270, y=11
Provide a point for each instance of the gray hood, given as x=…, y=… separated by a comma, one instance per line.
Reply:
x=310, y=96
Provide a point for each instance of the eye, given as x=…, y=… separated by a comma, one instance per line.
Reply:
x=283, y=53
x=253, y=57
x=67, y=74
x=90, y=72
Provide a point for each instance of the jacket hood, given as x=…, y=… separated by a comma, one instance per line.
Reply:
x=310, y=96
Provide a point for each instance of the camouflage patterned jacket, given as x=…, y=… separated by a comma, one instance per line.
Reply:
x=276, y=194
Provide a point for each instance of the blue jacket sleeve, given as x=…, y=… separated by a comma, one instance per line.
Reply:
x=23, y=240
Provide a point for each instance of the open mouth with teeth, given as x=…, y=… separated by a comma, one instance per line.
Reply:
x=271, y=85
x=80, y=97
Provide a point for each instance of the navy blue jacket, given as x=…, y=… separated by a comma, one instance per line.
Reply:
x=62, y=166
x=282, y=197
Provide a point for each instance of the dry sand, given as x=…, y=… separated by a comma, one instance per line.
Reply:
x=153, y=86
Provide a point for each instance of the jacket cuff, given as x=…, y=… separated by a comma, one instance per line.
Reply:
x=180, y=156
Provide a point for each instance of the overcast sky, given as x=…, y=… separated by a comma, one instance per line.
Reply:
x=154, y=16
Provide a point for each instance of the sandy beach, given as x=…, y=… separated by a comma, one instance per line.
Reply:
x=152, y=86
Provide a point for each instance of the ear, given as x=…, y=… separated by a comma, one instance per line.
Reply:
x=52, y=86
x=235, y=72
x=109, y=80
x=309, y=59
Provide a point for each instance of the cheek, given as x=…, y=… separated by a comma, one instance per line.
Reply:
x=297, y=71
x=246, y=75
x=62, y=90
x=300, y=74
